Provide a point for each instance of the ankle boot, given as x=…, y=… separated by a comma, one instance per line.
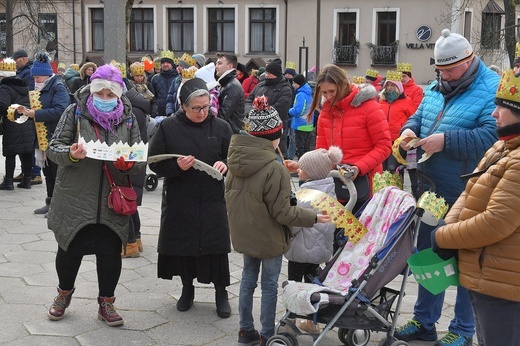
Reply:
x=108, y=313
x=25, y=184
x=222, y=302
x=131, y=251
x=18, y=178
x=7, y=184
x=61, y=302
x=45, y=208
x=186, y=300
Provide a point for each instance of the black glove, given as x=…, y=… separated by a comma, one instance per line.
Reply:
x=445, y=254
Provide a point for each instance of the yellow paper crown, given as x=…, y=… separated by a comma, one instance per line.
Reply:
x=120, y=66
x=290, y=64
x=188, y=73
x=167, y=54
x=393, y=76
x=188, y=59
x=176, y=61
x=404, y=67
x=145, y=58
x=358, y=80
x=137, y=69
x=75, y=67
x=372, y=73
x=435, y=206
x=62, y=65
x=517, y=54
x=509, y=88
x=157, y=63
x=382, y=180
x=8, y=64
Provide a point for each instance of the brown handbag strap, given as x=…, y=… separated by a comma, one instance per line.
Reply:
x=107, y=171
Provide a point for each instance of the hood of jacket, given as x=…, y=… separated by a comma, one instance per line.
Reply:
x=18, y=84
x=248, y=154
x=306, y=89
x=85, y=67
x=357, y=96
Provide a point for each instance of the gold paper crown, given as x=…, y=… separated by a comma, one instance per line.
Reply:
x=290, y=64
x=176, y=61
x=120, y=66
x=358, y=80
x=404, y=67
x=157, y=63
x=137, y=69
x=434, y=205
x=188, y=59
x=188, y=73
x=8, y=64
x=509, y=87
x=75, y=67
x=372, y=73
x=62, y=65
x=145, y=58
x=393, y=76
x=517, y=54
x=167, y=54
x=382, y=180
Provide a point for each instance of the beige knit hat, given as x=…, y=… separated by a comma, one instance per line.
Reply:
x=318, y=163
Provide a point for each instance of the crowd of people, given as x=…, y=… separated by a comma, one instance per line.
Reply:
x=254, y=129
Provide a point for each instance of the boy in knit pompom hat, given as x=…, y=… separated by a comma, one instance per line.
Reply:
x=312, y=246
x=260, y=215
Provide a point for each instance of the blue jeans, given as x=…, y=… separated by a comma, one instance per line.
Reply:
x=496, y=320
x=271, y=268
x=428, y=307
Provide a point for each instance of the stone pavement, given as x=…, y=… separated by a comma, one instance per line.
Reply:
x=28, y=285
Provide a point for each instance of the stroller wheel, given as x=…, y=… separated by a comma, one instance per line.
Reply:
x=151, y=182
x=354, y=337
x=282, y=340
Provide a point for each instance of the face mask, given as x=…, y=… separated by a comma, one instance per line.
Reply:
x=391, y=96
x=39, y=86
x=104, y=105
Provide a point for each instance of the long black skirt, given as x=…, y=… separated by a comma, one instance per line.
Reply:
x=206, y=269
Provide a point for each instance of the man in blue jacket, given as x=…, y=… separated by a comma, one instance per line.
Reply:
x=456, y=128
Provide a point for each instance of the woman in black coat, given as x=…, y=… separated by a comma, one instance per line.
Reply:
x=194, y=235
x=18, y=138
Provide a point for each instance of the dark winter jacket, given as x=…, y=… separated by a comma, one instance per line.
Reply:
x=140, y=108
x=17, y=138
x=279, y=95
x=54, y=98
x=258, y=189
x=81, y=190
x=172, y=105
x=231, y=101
x=160, y=86
x=25, y=73
x=69, y=77
x=194, y=217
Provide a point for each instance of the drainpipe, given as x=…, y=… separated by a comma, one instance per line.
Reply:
x=74, y=30
x=286, y=28
x=83, y=43
x=318, y=24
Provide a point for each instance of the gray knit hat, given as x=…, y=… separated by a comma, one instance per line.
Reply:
x=318, y=163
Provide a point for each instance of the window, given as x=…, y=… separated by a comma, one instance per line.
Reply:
x=345, y=43
x=262, y=30
x=97, y=25
x=181, y=29
x=48, y=30
x=467, y=25
x=221, y=30
x=490, y=34
x=141, y=29
x=386, y=28
x=3, y=29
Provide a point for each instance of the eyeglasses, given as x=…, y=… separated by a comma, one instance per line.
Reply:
x=198, y=109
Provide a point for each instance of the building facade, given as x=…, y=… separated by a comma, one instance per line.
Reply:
x=355, y=34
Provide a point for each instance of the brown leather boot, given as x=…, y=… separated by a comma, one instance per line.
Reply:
x=131, y=251
x=139, y=244
x=108, y=313
x=61, y=302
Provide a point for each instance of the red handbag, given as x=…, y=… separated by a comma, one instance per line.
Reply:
x=121, y=199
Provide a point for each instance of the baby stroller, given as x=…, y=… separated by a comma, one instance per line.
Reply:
x=350, y=292
x=151, y=180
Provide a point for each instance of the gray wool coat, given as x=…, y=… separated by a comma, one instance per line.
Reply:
x=81, y=190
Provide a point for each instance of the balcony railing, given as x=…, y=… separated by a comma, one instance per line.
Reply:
x=345, y=55
x=384, y=55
